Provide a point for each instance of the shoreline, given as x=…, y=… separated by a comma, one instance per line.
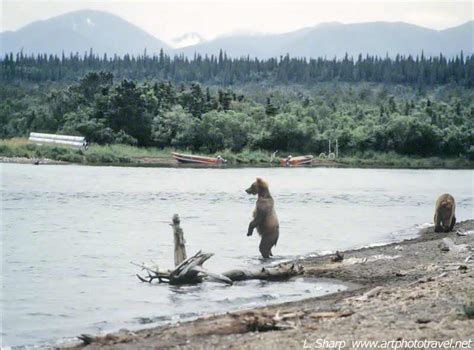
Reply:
x=411, y=290
x=169, y=162
x=20, y=150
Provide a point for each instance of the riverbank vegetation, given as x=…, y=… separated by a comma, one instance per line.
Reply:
x=127, y=155
x=381, y=111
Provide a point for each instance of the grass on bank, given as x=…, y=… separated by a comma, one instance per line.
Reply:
x=125, y=154
x=111, y=154
x=394, y=160
x=20, y=147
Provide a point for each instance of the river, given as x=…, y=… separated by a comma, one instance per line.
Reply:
x=69, y=232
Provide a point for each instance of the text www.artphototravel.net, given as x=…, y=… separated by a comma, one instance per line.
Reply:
x=395, y=344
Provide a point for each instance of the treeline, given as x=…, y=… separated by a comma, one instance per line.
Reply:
x=223, y=70
x=362, y=117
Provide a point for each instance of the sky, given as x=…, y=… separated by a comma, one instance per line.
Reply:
x=167, y=20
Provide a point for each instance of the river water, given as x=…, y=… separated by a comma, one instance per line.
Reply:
x=68, y=234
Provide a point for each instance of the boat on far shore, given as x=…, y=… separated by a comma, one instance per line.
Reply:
x=297, y=161
x=195, y=159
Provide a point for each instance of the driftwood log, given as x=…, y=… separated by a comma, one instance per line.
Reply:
x=187, y=270
x=269, y=273
x=191, y=271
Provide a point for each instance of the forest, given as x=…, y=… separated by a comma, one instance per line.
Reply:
x=223, y=70
x=409, y=106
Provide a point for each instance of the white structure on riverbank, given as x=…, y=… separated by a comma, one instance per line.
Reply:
x=66, y=140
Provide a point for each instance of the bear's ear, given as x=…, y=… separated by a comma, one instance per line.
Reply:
x=259, y=180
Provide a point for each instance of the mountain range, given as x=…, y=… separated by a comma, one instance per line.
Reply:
x=103, y=32
x=80, y=31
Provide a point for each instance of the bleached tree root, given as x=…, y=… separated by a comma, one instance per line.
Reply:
x=191, y=271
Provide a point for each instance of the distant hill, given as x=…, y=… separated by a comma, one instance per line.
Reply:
x=106, y=33
x=78, y=32
x=335, y=39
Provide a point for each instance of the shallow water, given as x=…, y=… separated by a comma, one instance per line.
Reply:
x=68, y=234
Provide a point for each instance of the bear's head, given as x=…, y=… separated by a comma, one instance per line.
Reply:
x=258, y=187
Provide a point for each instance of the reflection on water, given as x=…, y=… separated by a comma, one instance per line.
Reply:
x=68, y=234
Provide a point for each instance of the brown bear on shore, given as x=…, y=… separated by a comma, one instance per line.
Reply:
x=264, y=217
x=445, y=218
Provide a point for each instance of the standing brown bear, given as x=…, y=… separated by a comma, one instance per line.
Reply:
x=264, y=217
x=445, y=218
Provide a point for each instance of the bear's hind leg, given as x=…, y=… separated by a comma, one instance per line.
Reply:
x=265, y=247
x=266, y=244
x=437, y=222
x=453, y=222
x=266, y=254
